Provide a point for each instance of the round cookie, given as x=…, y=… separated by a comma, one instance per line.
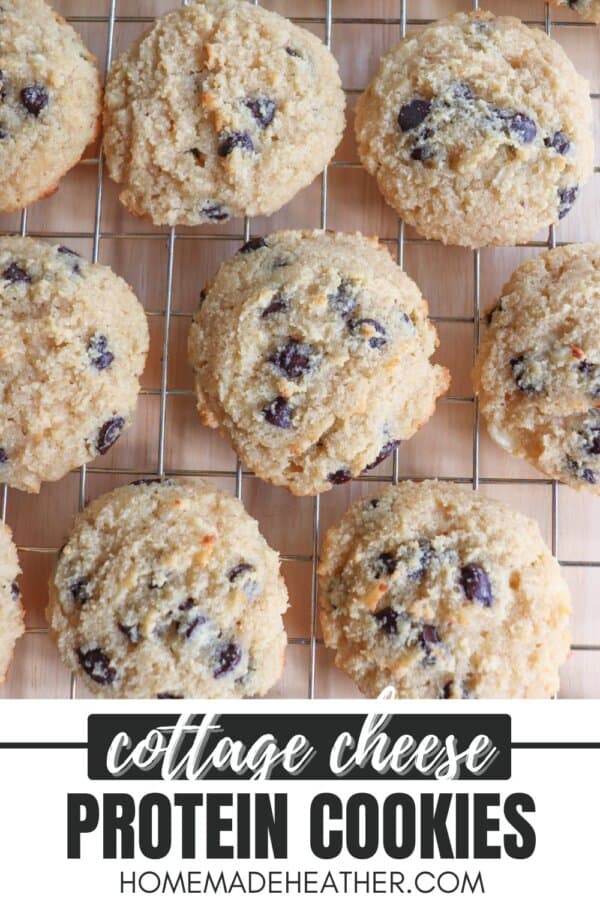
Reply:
x=220, y=109
x=538, y=368
x=11, y=609
x=478, y=130
x=441, y=592
x=168, y=589
x=311, y=352
x=73, y=342
x=589, y=9
x=50, y=101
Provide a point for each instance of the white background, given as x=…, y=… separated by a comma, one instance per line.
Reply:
x=35, y=783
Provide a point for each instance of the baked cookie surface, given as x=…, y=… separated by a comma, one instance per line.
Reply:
x=538, y=369
x=478, y=130
x=73, y=342
x=221, y=109
x=311, y=352
x=11, y=609
x=50, y=101
x=442, y=592
x=589, y=9
x=168, y=589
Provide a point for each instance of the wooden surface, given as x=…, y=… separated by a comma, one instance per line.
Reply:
x=140, y=252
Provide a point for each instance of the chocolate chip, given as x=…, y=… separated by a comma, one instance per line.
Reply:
x=516, y=123
x=422, y=152
x=385, y=451
x=293, y=358
x=578, y=470
x=524, y=377
x=279, y=413
x=34, y=98
x=252, y=245
x=229, y=142
x=110, y=432
x=3, y=133
x=79, y=590
x=131, y=632
x=476, y=584
x=186, y=604
x=291, y=51
x=67, y=251
x=140, y=481
x=428, y=636
x=198, y=155
x=188, y=628
x=593, y=439
x=340, y=477
x=262, y=108
x=166, y=695
x=3, y=456
x=100, y=356
x=385, y=564
x=97, y=665
x=374, y=503
x=560, y=142
x=2, y=85
x=447, y=691
x=523, y=127
x=238, y=570
x=388, y=620
x=413, y=113
x=566, y=199
x=229, y=658
x=73, y=257
x=15, y=591
x=215, y=212
x=591, y=372
x=278, y=304
x=375, y=342
x=344, y=299
x=14, y=274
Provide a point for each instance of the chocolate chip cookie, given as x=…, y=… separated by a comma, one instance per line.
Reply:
x=220, y=109
x=478, y=130
x=11, y=609
x=73, y=342
x=538, y=369
x=440, y=592
x=167, y=589
x=589, y=9
x=311, y=352
x=50, y=101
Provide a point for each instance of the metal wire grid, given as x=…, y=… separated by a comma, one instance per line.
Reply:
x=328, y=21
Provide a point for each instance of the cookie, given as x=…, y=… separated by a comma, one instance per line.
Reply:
x=11, y=609
x=73, y=341
x=220, y=109
x=589, y=9
x=50, y=101
x=478, y=130
x=311, y=352
x=538, y=368
x=167, y=589
x=441, y=592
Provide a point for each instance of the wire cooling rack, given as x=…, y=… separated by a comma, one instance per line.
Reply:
x=327, y=21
